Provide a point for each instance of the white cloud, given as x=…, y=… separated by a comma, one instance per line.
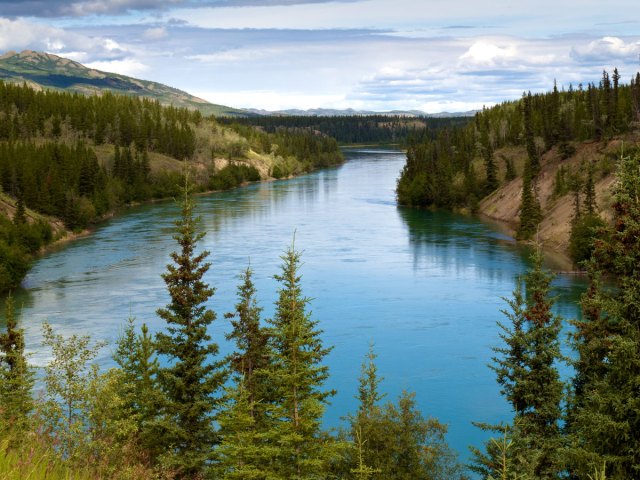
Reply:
x=129, y=67
x=486, y=54
x=606, y=49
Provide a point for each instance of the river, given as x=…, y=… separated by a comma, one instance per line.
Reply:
x=424, y=287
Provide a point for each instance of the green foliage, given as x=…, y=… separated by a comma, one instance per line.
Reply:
x=191, y=377
x=295, y=150
x=233, y=175
x=530, y=213
x=356, y=129
x=138, y=399
x=584, y=234
x=297, y=376
x=16, y=377
x=537, y=122
x=394, y=441
x=510, y=170
x=605, y=412
x=526, y=369
x=560, y=183
x=37, y=461
x=68, y=379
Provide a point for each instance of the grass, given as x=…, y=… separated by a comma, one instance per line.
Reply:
x=33, y=461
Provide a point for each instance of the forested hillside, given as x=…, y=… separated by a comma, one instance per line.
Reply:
x=76, y=158
x=357, y=129
x=537, y=164
x=42, y=70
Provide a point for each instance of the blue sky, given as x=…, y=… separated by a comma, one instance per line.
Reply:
x=433, y=55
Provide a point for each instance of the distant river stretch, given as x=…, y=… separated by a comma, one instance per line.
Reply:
x=423, y=286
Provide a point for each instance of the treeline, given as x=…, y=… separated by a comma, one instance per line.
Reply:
x=586, y=428
x=355, y=129
x=19, y=240
x=172, y=408
x=48, y=160
x=295, y=150
x=442, y=172
x=115, y=119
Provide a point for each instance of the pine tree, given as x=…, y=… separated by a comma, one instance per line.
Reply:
x=527, y=372
x=245, y=452
x=529, y=207
x=16, y=377
x=137, y=388
x=251, y=357
x=605, y=418
x=544, y=389
x=366, y=426
x=297, y=375
x=191, y=377
x=590, y=192
x=244, y=421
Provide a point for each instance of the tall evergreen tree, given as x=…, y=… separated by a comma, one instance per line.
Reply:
x=605, y=418
x=251, y=357
x=244, y=453
x=191, y=377
x=526, y=370
x=16, y=377
x=137, y=387
x=297, y=375
x=367, y=431
x=530, y=214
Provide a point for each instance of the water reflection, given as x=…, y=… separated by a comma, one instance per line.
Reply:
x=424, y=286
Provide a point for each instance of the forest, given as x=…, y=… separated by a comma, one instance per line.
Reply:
x=74, y=159
x=173, y=408
x=356, y=129
x=465, y=165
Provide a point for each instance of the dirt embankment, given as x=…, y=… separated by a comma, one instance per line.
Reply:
x=503, y=205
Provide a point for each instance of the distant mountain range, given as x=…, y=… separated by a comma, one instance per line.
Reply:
x=44, y=70
x=328, y=112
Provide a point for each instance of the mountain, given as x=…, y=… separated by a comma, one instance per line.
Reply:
x=328, y=112
x=44, y=70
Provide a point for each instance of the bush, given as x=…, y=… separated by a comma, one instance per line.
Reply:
x=233, y=175
x=583, y=234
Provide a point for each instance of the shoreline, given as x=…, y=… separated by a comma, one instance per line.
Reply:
x=71, y=236
x=558, y=261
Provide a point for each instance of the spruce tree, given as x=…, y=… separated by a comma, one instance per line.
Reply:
x=137, y=388
x=544, y=388
x=527, y=372
x=16, y=377
x=297, y=376
x=251, y=356
x=530, y=214
x=605, y=418
x=244, y=452
x=367, y=432
x=191, y=377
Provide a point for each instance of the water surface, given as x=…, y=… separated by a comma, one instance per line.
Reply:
x=423, y=286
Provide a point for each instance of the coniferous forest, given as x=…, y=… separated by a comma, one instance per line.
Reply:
x=174, y=408
x=72, y=159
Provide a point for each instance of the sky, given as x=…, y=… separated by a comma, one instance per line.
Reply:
x=381, y=55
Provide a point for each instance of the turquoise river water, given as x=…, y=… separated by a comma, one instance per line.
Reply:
x=425, y=287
